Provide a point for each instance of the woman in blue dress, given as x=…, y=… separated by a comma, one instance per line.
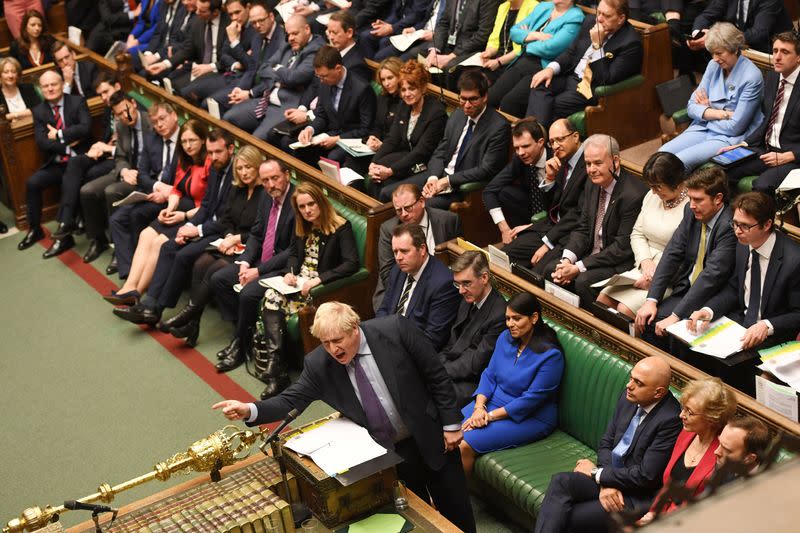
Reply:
x=516, y=399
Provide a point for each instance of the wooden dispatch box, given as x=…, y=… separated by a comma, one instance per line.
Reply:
x=331, y=502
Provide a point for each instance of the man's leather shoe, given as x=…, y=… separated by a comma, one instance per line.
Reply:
x=96, y=247
x=80, y=226
x=234, y=360
x=275, y=385
x=59, y=246
x=122, y=298
x=138, y=314
x=112, y=267
x=232, y=347
x=64, y=229
x=32, y=237
x=3, y=228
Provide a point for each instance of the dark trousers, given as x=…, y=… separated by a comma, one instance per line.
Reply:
x=560, y=100
x=175, y=262
x=511, y=90
x=582, y=285
x=516, y=205
x=97, y=199
x=203, y=87
x=521, y=249
x=440, y=201
x=80, y=170
x=126, y=223
x=240, y=308
x=447, y=487
x=572, y=504
x=311, y=154
x=768, y=177
x=48, y=175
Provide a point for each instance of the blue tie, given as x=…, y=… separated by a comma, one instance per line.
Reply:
x=463, y=148
x=622, y=446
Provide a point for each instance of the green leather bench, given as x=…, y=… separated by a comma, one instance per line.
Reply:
x=579, y=118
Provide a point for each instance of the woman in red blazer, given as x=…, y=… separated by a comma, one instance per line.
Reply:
x=707, y=405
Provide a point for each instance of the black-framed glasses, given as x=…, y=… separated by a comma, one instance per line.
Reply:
x=744, y=227
x=560, y=140
x=405, y=208
x=469, y=99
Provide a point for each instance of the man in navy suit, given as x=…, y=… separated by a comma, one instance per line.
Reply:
x=757, y=19
x=78, y=76
x=763, y=295
x=384, y=375
x=631, y=458
x=345, y=110
x=177, y=256
x=777, y=140
x=153, y=177
x=419, y=287
x=266, y=252
x=173, y=17
x=695, y=269
x=62, y=129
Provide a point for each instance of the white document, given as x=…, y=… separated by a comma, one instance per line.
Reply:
x=790, y=182
x=404, y=41
x=277, y=283
x=341, y=4
x=432, y=70
x=722, y=339
x=133, y=198
x=336, y=445
x=356, y=146
x=74, y=35
x=239, y=249
x=287, y=10
x=783, y=362
x=213, y=108
x=324, y=18
x=562, y=294
x=168, y=85
x=473, y=61
x=343, y=175
x=618, y=280
x=499, y=258
x=316, y=139
x=116, y=48
x=779, y=398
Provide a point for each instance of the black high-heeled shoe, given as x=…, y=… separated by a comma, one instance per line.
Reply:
x=190, y=332
x=184, y=316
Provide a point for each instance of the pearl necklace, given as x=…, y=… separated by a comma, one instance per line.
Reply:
x=670, y=204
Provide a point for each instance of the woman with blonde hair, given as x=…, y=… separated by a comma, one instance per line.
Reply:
x=18, y=98
x=706, y=406
x=322, y=250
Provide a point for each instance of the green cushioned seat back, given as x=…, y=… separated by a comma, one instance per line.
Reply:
x=359, y=223
x=376, y=87
x=593, y=380
x=746, y=184
x=579, y=121
x=141, y=99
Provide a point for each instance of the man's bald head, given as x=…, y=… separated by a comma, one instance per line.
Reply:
x=649, y=381
x=298, y=32
x=52, y=86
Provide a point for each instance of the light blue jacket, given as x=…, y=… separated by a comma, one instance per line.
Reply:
x=741, y=93
x=563, y=30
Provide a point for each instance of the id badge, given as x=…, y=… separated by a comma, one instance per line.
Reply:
x=451, y=39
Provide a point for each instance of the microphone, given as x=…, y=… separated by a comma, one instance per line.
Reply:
x=285, y=422
x=74, y=505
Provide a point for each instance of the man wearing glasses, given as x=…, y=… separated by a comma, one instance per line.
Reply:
x=474, y=147
x=409, y=206
x=763, y=295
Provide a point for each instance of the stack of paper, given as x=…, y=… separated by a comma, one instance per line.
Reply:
x=722, y=339
x=355, y=147
x=783, y=362
x=337, y=445
x=404, y=41
x=316, y=139
x=277, y=283
x=287, y=10
x=343, y=175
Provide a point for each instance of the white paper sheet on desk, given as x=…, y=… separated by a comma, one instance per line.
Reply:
x=473, y=61
x=337, y=445
x=783, y=362
x=790, y=182
x=721, y=339
x=562, y=294
x=618, y=280
x=403, y=41
x=286, y=10
x=277, y=283
x=779, y=398
x=316, y=139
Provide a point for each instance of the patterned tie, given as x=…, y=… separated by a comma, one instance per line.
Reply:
x=467, y=136
x=400, y=308
x=263, y=104
x=773, y=117
x=754, y=304
x=268, y=247
x=378, y=421
x=536, y=200
x=699, y=263
x=59, y=126
x=598, y=222
x=622, y=446
x=209, y=45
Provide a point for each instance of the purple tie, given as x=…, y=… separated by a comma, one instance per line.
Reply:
x=268, y=248
x=378, y=421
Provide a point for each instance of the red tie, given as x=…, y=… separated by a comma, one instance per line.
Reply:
x=268, y=248
x=59, y=126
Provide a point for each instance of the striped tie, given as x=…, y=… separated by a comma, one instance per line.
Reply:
x=773, y=117
x=401, y=304
x=59, y=126
x=598, y=222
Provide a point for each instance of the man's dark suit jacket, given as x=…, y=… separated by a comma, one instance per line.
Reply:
x=250, y=61
x=677, y=262
x=367, y=11
x=78, y=127
x=623, y=55
x=159, y=40
x=215, y=199
x=472, y=29
x=416, y=379
x=640, y=477
x=486, y=152
x=191, y=49
x=294, y=79
x=406, y=13
x=284, y=232
x=765, y=18
x=355, y=64
x=431, y=304
x=790, y=127
x=471, y=343
x=114, y=17
x=150, y=163
x=400, y=153
x=355, y=114
x=445, y=225
x=567, y=203
x=87, y=72
x=513, y=173
x=780, y=294
x=621, y=213
x=123, y=155
x=338, y=254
